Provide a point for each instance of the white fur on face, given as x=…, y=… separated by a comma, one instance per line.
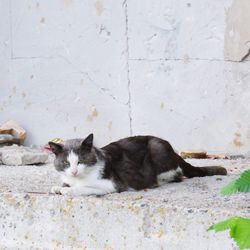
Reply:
x=87, y=181
x=74, y=168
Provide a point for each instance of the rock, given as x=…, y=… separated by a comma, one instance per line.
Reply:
x=217, y=156
x=194, y=154
x=19, y=155
x=247, y=155
x=235, y=157
x=7, y=139
x=13, y=128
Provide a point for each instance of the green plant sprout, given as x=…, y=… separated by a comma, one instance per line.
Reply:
x=239, y=227
x=239, y=185
x=239, y=230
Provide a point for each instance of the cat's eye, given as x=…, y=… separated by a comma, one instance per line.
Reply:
x=66, y=162
x=80, y=162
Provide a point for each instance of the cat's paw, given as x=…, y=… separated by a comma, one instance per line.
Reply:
x=66, y=191
x=56, y=190
x=61, y=190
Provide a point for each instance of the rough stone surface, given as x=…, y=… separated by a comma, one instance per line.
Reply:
x=20, y=155
x=119, y=67
x=194, y=111
x=174, y=216
x=68, y=69
x=178, y=30
x=237, y=34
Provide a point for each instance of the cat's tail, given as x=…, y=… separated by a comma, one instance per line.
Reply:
x=190, y=171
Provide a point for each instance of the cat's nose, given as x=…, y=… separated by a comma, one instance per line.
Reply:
x=74, y=172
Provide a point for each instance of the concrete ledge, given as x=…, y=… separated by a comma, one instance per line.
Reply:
x=174, y=216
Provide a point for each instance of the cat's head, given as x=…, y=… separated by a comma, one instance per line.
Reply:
x=75, y=157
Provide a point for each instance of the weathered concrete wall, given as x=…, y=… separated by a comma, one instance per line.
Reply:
x=114, y=67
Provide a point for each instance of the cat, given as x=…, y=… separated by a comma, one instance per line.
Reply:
x=133, y=163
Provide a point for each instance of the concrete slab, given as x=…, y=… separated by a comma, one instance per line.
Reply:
x=186, y=110
x=177, y=29
x=83, y=40
x=174, y=216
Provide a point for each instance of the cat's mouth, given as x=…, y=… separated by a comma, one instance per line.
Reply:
x=73, y=174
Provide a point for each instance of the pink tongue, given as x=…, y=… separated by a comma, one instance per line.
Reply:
x=47, y=149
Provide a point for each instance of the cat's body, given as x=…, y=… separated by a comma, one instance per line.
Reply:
x=132, y=163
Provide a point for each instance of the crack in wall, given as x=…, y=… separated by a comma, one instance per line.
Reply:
x=185, y=60
x=142, y=59
x=11, y=37
x=32, y=57
x=106, y=91
x=125, y=5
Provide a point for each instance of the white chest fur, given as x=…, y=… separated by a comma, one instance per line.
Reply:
x=84, y=179
x=90, y=176
x=89, y=182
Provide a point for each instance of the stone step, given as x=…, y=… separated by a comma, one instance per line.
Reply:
x=174, y=216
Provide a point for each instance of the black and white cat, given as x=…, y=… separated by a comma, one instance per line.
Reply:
x=133, y=163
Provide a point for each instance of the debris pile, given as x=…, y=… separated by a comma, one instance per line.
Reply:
x=205, y=155
x=11, y=133
x=12, y=136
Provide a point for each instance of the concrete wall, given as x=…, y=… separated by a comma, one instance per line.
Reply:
x=171, y=68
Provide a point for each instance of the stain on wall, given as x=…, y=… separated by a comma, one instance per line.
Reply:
x=93, y=114
x=162, y=105
x=42, y=20
x=67, y=2
x=99, y=8
x=110, y=126
x=237, y=140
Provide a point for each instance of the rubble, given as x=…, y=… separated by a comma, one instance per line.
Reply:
x=194, y=154
x=19, y=155
x=217, y=156
x=7, y=140
x=13, y=129
x=205, y=155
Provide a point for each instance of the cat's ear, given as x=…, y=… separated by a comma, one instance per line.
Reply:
x=55, y=147
x=87, y=143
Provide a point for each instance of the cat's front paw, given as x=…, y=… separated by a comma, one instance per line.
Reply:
x=66, y=191
x=56, y=190
x=61, y=190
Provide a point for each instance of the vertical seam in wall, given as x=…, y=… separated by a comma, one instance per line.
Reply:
x=127, y=67
x=11, y=38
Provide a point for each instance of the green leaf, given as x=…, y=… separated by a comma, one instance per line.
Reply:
x=229, y=188
x=241, y=184
x=224, y=225
x=239, y=230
